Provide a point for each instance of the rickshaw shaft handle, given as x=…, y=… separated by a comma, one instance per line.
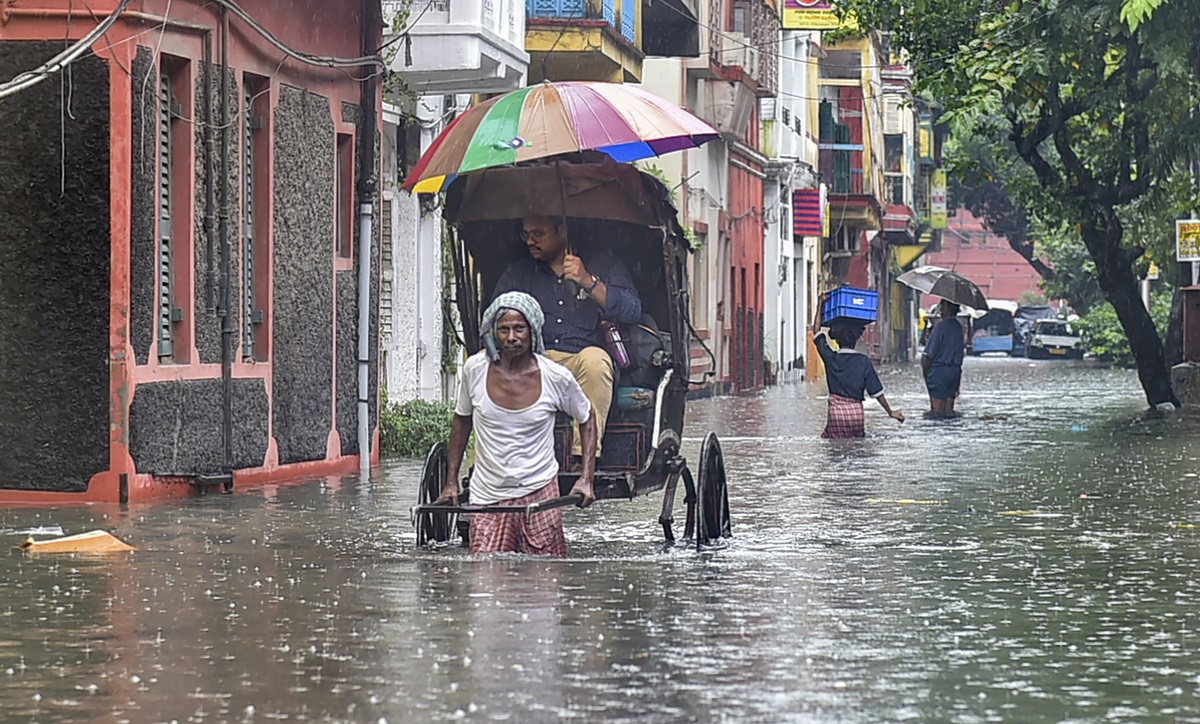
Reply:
x=528, y=510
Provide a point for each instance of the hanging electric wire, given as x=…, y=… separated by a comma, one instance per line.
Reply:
x=309, y=58
x=30, y=78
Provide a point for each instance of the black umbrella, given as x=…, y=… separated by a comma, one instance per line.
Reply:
x=947, y=284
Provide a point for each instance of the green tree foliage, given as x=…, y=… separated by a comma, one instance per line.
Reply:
x=409, y=429
x=1098, y=108
x=1102, y=334
x=1135, y=12
x=1075, y=277
x=1033, y=299
x=984, y=173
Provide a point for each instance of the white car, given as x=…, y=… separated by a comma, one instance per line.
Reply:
x=1053, y=338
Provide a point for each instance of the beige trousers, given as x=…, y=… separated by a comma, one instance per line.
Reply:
x=593, y=369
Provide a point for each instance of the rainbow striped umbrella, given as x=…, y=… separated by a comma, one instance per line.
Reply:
x=549, y=119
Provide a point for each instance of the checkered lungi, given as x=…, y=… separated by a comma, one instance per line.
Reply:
x=846, y=418
x=542, y=535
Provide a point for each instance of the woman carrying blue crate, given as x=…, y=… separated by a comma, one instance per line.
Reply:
x=849, y=373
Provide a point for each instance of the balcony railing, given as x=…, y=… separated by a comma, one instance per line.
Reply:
x=764, y=35
x=752, y=45
x=621, y=15
x=845, y=177
x=841, y=141
x=458, y=46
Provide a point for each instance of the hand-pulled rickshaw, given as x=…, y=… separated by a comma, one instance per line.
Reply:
x=610, y=208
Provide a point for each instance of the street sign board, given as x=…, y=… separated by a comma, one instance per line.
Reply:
x=937, y=199
x=809, y=15
x=1187, y=239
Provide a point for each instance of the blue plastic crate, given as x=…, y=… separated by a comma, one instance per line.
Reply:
x=851, y=303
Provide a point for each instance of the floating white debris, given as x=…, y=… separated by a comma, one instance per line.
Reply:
x=40, y=530
x=95, y=541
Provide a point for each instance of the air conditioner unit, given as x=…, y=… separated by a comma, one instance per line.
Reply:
x=726, y=105
x=751, y=63
x=766, y=110
x=737, y=51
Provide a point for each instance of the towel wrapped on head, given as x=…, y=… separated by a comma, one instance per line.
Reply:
x=517, y=302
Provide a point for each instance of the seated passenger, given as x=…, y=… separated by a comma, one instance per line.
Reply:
x=574, y=295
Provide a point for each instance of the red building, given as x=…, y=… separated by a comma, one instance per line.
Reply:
x=746, y=232
x=179, y=218
x=986, y=259
x=739, y=75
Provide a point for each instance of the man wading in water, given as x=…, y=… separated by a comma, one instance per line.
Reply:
x=509, y=394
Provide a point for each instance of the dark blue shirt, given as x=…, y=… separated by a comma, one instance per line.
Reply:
x=849, y=373
x=945, y=345
x=573, y=323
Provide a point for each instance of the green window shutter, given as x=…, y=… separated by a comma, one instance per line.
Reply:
x=826, y=122
x=841, y=160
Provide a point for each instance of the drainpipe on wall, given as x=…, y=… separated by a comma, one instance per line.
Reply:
x=227, y=330
x=210, y=178
x=366, y=213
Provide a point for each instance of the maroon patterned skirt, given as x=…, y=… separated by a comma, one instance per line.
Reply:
x=542, y=535
x=846, y=418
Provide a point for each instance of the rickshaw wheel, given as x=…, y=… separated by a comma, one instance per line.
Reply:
x=434, y=527
x=712, y=495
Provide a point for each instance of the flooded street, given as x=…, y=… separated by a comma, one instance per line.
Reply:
x=1034, y=560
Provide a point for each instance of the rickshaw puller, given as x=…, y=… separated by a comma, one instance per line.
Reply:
x=509, y=395
x=572, y=334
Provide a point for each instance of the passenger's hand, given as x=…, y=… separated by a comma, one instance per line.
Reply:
x=449, y=494
x=584, y=488
x=574, y=269
x=897, y=415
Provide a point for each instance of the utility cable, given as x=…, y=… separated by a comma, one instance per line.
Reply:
x=763, y=48
x=309, y=58
x=30, y=78
x=404, y=33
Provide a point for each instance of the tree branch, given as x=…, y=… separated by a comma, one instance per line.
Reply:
x=1027, y=146
x=1136, y=178
x=1076, y=169
x=1025, y=249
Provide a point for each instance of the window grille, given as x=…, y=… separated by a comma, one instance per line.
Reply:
x=385, y=257
x=166, y=292
x=250, y=318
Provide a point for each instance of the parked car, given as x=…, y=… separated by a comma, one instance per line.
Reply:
x=1023, y=320
x=1053, y=338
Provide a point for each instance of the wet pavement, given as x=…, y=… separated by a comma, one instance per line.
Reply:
x=1034, y=560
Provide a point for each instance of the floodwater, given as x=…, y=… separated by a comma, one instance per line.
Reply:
x=1035, y=560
